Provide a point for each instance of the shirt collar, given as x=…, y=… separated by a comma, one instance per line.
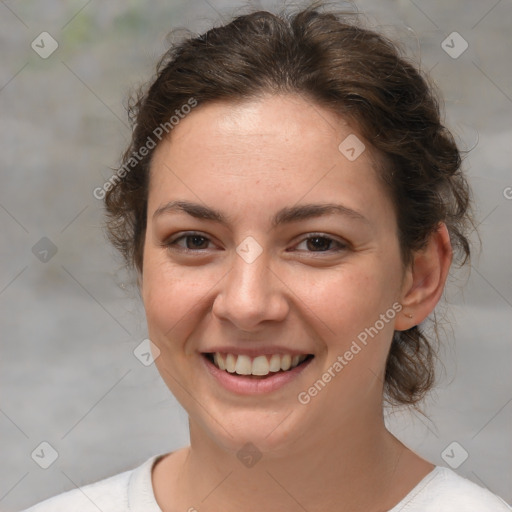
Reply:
x=141, y=497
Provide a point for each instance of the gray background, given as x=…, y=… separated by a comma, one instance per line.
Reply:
x=69, y=326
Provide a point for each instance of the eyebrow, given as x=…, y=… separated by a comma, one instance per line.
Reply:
x=284, y=216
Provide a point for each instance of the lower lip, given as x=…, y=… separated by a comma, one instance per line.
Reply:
x=246, y=385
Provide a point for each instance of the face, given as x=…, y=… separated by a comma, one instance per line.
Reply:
x=243, y=256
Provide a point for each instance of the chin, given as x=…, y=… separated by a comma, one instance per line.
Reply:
x=268, y=432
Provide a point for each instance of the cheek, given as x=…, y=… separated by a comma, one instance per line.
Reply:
x=348, y=303
x=170, y=297
x=350, y=294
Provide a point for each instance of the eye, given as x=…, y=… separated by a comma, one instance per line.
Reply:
x=192, y=242
x=196, y=242
x=322, y=243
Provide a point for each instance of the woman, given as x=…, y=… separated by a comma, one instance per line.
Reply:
x=291, y=204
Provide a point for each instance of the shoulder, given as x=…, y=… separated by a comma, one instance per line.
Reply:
x=443, y=490
x=111, y=494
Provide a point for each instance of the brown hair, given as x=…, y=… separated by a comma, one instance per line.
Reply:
x=329, y=58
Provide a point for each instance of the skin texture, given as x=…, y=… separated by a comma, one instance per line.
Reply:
x=249, y=160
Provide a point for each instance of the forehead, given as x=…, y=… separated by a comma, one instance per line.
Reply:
x=275, y=148
x=289, y=119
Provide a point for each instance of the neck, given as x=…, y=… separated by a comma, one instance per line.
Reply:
x=313, y=475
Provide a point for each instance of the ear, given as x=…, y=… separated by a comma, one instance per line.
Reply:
x=425, y=279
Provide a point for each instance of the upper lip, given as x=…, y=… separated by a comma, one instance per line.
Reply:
x=256, y=351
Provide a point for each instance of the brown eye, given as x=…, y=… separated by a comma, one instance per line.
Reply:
x=195, y=241
x=322, y=243
x=192, y=242
x=319, y=243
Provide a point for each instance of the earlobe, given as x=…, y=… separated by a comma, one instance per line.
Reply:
x=426, y=278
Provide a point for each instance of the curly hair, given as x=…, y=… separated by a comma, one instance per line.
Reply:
x=351, y=70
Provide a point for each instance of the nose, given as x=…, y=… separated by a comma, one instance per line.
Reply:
x=250, y=294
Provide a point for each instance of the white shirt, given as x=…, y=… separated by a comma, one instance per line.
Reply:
x=442, y=490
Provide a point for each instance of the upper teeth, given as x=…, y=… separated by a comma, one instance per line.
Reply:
x=260, y=365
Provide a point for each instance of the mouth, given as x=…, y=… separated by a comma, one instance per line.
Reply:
x=260, y=367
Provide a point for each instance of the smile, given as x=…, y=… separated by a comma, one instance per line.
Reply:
x=245, y=375
x=261, y=365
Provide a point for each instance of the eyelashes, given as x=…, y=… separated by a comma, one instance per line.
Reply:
x=315, y=243
x=323, y=240
x=190, y=236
